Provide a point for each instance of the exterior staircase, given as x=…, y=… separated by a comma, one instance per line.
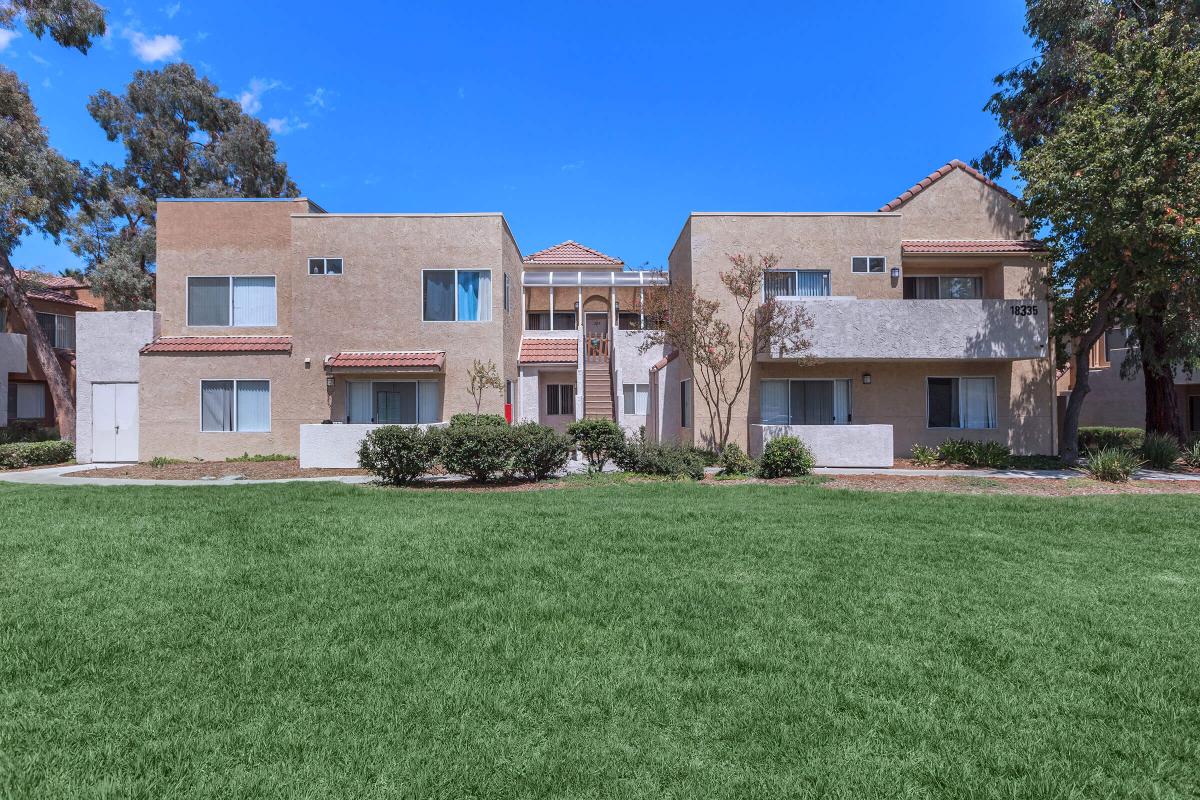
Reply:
x=597, y=382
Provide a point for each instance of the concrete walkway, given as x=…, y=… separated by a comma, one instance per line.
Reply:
x=60, y=476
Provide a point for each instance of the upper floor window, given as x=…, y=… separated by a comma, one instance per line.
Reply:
x=462, y=295
x=506, y=291
x=796, y=283
x=541, y=321
x=943, y=287
x=59, y=329
x=873, y=264
x=246, y=301
x=324, y=266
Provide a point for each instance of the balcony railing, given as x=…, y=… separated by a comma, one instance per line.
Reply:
x=595, y=278
x=848, y=329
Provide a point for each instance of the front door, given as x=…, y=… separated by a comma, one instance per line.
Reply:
x=597, y=324
x=114, y=422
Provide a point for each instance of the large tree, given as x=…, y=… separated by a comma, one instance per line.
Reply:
x=37, y=184
x=1117, y=187
x=181, y=139
x=1032, y=102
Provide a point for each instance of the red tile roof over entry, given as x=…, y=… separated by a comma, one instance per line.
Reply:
x=220, y=344
x=536, y=350
x=967, y=246
x=394, y=359
x=572, y=252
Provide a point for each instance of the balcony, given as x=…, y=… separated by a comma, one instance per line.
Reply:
x=849, y=329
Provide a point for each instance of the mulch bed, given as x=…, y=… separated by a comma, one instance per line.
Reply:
x=1045, y=487
x=191, y=471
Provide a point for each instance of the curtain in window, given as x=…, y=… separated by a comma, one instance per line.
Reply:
x=812, y=283
x=538, y=321
x=428, y=398
x=439, y=295
x=254, y=300
x=978, y=400
x=216, y=405
x=396, y=403
x=818, y=402
x=485, y=296
x=64, y=332
x=943, y=403
x=954, y=287
x=773, y=403
x=468, y=295
x=208, y=301
x=253, y=406
x=46, y=323
x=26, y=401
x=841, y=402
x=921, y=289
x=358, y=402
x=779, y=284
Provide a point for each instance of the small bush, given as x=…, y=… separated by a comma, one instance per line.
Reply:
x=1160, y=451
x=1111, y=464
x=1100, y=438
x=734, y=461
x=35, y=454
x=19, y=431
x=991, y=454
x=657, y=458
x=956, y=451
x=785, y=456
x=598, y=439
x=537, y=451
x=246, y=457
x=397, y=454
x=477, y=450
x=1191, y=455
x=710, y=457
x=158, y=462
x=924, y=456
x=489, y=420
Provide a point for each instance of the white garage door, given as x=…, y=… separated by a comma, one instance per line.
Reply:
x=114, y=421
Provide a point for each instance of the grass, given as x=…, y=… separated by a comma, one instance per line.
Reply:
x=246, y=457
x=654, y=640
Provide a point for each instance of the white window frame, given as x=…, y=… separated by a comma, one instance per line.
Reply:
x=867, y=271
x=828, y=281
x=646, y=399
x=235, y=381
x=371, y=383
x=187, y=305
x=54, y=343
x=789, y=381
x=940, y=276
x=563, y=394
x=961, y=427
x=457, y=270
x=324, y=266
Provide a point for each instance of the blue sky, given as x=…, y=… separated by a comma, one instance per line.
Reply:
x=600, y=122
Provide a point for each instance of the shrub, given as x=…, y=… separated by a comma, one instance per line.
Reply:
x=21, y=431
x=990, y=454
x=1112, y=464
x=955, y=451
x=397, y=454
x=924, y=456
x=785, y=456
x=658, y=458
x=710, y=457
x=35, y=454
x=598, y=439
x=1100, y=438
x=734, y=461
x=476, y=450
x=158, y=462
x=1160, y=451
x=538, y=452
x=489, y=420
x=246, y=457
x=1191, y=455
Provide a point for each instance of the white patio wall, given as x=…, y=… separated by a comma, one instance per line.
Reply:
x=106, y=351
x=336, y=445
x=833, y=445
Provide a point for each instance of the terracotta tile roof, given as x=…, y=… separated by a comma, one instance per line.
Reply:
x=50, y=281
x=572, y=252
x=549, y=351
x=389, y=360
x=49, y=288
x=51, y=296
x=220, y=344
x=937, y=176
x=967, y=246
x=667, y=359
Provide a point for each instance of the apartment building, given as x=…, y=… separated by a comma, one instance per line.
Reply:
x=57, y=300
x=283, y=328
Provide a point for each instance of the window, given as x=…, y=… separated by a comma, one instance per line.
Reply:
x=247, y=301
x=243, y=406
x=560, y=399
x=508, y=393
x=392, y=402
x=540, y=321
x=805, y=402
x=796, y=283
x=943, y=287
x=26, y=401
x=457, y=295
x=506, y=291
x=873, y=264
x=629, y=321
x=962, y=402
x=685, y=403
x=59, y=329
x=637, y=397
x=324, y=266
x=3, y=319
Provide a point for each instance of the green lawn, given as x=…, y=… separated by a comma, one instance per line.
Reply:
x=659, y=640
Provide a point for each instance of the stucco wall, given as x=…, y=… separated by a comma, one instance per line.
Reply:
x=106, y=352
x=631, y=365
x=336, y=446
x=960, y=206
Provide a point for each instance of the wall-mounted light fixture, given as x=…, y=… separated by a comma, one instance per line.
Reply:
x=895, y=273
x=867, y=378
x=328, y=381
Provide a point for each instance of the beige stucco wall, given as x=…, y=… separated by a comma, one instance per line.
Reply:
x=960, y=206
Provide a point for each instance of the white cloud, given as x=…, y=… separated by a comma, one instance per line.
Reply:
x=281, y=126
x=201, y=35
x=319, y=98
x=6, y=38
x=571, y=167
x=251, y=98
x=163, y=47
x=38, y=59
x=171, y=10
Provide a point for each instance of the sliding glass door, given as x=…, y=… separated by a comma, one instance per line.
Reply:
x=805, y=402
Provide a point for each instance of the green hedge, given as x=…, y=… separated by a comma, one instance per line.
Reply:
x=35, y=454
x=1100, y=438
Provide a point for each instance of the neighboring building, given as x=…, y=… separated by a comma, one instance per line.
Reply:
x=283, y=328
x=56, y=300
x=1121, y=402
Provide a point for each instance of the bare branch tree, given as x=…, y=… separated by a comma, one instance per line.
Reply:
x=483, y=376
